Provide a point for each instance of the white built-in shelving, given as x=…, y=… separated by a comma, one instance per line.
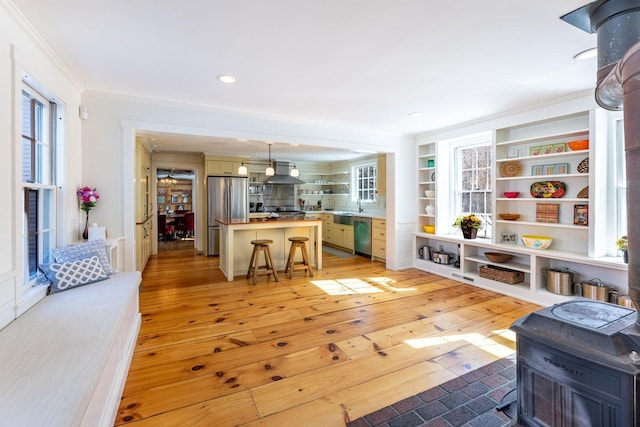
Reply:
x=574, y=244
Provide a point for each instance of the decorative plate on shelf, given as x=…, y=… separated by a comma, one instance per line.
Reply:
x=583, y=166
x=511, y=168
x=548, y=189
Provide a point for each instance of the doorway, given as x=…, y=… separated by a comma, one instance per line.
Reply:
x=175, y=209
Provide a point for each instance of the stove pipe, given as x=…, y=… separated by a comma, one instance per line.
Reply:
x=617, y=23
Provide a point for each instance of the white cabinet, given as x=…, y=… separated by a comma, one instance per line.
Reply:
x=533, y=263
x=379, y=239
x=340, y=235
x=334, y=234
x=533, y=159
x=144, y=234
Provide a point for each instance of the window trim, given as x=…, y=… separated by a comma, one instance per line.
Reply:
x=474, y=140
x=44, y=174
x=355, y=192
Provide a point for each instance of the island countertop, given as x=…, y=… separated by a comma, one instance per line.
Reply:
x=265, y=220
x=236, y=237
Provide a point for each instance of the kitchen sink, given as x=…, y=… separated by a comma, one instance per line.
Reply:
x=343, y=218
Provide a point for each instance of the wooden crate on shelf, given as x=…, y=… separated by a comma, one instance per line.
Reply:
x=501, y=274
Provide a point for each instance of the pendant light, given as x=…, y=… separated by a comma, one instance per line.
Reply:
x=294, y=172
x=242, y=170
x=269, y=171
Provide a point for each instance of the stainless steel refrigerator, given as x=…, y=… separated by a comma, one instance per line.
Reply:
x=228, y=199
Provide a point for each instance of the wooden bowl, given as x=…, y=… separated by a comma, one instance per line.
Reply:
x=498, y=257
x=509, y=216
x=581, y=144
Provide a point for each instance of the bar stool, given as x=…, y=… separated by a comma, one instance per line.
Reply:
x=261, y=246
x=298, y=242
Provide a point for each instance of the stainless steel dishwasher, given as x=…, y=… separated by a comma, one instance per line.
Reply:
x=362, y=235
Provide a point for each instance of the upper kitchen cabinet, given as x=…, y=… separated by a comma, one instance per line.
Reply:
x=382, y=174
x=221, y=165
x=543, y=174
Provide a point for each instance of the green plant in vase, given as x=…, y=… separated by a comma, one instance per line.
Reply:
x=469, y=224
x=623, y=246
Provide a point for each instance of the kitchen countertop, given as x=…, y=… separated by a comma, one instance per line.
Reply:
x=362, y=214
x=265, y=220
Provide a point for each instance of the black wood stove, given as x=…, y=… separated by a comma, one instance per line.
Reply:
x=576, y=366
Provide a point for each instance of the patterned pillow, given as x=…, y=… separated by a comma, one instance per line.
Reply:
x=72, y=274
x=83, y=250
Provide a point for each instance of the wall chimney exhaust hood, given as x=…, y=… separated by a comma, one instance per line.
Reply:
x=283, y=175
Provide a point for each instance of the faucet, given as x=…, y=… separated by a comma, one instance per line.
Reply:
x=360, y=207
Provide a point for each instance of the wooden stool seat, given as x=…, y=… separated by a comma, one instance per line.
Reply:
x=261, y=246
x=305, y=264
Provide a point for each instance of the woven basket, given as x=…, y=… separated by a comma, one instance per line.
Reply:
x=511, y=168
x=584, y=193
x=501, y=274
x=583, y=166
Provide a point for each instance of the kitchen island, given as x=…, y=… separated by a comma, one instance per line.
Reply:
x=236, y=237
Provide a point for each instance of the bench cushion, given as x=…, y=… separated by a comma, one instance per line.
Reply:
x=52, y=357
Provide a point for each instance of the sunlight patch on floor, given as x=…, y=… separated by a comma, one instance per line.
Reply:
x=345, y=286
x=478, y=340
x=387, y=283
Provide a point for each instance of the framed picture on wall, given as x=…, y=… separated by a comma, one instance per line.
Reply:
x=510, y=238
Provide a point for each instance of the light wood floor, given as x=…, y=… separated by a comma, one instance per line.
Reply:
x=318, y=351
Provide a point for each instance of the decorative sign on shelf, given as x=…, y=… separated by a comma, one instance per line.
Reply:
x=552, y=169
x=547, y=212
x=581, y=214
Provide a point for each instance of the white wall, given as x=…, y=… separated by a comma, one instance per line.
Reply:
x=108, y=146
x=22, y=51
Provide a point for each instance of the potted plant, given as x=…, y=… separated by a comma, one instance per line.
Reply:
x=469, y=224
x=623, y=244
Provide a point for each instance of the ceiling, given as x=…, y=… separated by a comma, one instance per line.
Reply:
x=356, y=64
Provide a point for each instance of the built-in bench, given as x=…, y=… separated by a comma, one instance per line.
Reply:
x=65, y=361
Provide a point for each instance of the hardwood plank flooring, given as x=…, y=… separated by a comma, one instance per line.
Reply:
x=318, y=351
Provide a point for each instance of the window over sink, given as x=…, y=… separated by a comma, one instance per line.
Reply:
x=364, y=183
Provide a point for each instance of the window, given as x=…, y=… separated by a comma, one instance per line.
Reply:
x=38, y=130
x=365, y=183
x=620, y=180
x=473, y=174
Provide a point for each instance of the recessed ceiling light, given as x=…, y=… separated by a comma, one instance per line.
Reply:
x=586, y=54
x=226, y=78
x=416, y=114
